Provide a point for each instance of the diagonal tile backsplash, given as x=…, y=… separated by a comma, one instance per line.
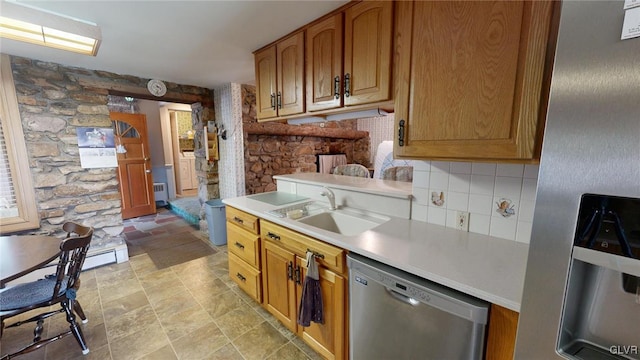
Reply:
x=499, y=197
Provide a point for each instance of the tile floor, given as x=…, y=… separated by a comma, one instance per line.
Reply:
x=172, y=300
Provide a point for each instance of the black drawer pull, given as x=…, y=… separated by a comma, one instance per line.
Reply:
x=298, y=275
x=273, y=236
x=242, y=278
x=239, y=245
x=290, y=271
x=401, y=133
x=238, y=220
x=336, y=87
x=316, y=254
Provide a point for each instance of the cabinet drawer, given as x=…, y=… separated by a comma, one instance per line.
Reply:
x=247, y=278
x=244, y=220
x=244, y=244
x=330, y=256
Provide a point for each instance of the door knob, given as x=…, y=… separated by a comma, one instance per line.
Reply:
x=147, y=159
x=148, y=171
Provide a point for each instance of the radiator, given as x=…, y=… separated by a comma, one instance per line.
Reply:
x=160, y=192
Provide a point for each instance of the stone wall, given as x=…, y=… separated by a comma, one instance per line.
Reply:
x=269, y=155
x=53, y=100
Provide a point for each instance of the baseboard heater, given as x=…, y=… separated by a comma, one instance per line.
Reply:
x=99, y=257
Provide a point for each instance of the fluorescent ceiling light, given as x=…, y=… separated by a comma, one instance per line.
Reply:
x=306, y=120
x=357, y=115
x=44, y=28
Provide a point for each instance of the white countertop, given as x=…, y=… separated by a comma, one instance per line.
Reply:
x=489, y=268
x=390, y=188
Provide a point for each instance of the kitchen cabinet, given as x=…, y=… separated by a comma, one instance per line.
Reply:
x=472, y=79
x=280, y=78
x=188, y=178
x=243, y=244
x=501, y=337
x=362, y=73
x=283, y=271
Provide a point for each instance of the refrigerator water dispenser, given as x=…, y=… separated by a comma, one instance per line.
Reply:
x=601, y=310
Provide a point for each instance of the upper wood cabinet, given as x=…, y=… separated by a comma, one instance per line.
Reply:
x=360, y=75
x=471, y=79
x=324, y=64
x=280, y=78
x=368, y=33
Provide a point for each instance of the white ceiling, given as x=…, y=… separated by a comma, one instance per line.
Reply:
x=201, y=43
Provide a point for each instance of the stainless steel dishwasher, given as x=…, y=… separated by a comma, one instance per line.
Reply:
x=396, y=315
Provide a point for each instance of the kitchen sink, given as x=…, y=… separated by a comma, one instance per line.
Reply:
x=347, y=222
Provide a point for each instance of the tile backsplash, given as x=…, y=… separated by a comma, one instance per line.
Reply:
x=500, y=198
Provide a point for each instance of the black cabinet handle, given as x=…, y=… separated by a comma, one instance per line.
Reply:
x=298, y=277
x=273, y=236
x=279, y=100
x=242, y=278
x=290, y=271
x=239, y=245
x=273, y=101
x=336, y=87
x=237, y=219
x=316, y=254
x=347, y=85
x=401, y=133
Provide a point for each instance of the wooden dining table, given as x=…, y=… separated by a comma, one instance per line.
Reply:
x=22, y=254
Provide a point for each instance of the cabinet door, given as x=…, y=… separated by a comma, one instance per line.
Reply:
x=192, y=171
x=329, y=338
x=367, y=52
x=278, y=286
x=324, y=64
x=469, y=78
x=265, y=62
x=185, y=175
x=290, y=61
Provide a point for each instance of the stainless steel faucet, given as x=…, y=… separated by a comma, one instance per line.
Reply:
x=330, y=195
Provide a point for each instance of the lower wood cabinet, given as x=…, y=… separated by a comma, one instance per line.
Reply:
x=243, y=244
x=283, y=273
x=501, y=338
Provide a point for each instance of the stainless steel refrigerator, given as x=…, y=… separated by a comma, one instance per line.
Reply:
x=581, y=294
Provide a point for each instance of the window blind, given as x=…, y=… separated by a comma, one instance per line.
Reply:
x=7, y=189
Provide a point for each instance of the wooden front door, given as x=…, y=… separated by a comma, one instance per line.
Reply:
x=134, y=165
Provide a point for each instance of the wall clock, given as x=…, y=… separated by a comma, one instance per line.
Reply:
x=156, y=87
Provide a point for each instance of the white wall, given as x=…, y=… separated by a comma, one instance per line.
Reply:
x=379, y=128
x=151, y=110
x=228, y=107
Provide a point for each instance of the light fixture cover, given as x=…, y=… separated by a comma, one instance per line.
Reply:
x=357, y=115
x=41, y=27
x=306, y=120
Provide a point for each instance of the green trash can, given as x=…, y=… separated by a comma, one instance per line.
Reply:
x=216, y=221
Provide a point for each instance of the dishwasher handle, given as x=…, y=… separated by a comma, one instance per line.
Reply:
x=402, y=298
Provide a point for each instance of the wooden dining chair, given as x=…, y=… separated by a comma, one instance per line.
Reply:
x=352, y=170
x=60, y=288
x=398, y=173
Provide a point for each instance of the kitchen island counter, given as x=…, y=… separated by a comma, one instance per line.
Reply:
x=486, y=267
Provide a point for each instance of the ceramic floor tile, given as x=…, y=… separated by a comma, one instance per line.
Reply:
x=139, y=344
x=239, y=321
x=177, y=301
x=200, y=343
x=159, y=293
x=165, y=277
x=289, y=352
x=259, y=342
x=132, y=322
x=165, y=353
x=184, y=322
x=119, y=290
x=227, y=352
x=124, y=304
x=68, y=347
x=219, y=305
